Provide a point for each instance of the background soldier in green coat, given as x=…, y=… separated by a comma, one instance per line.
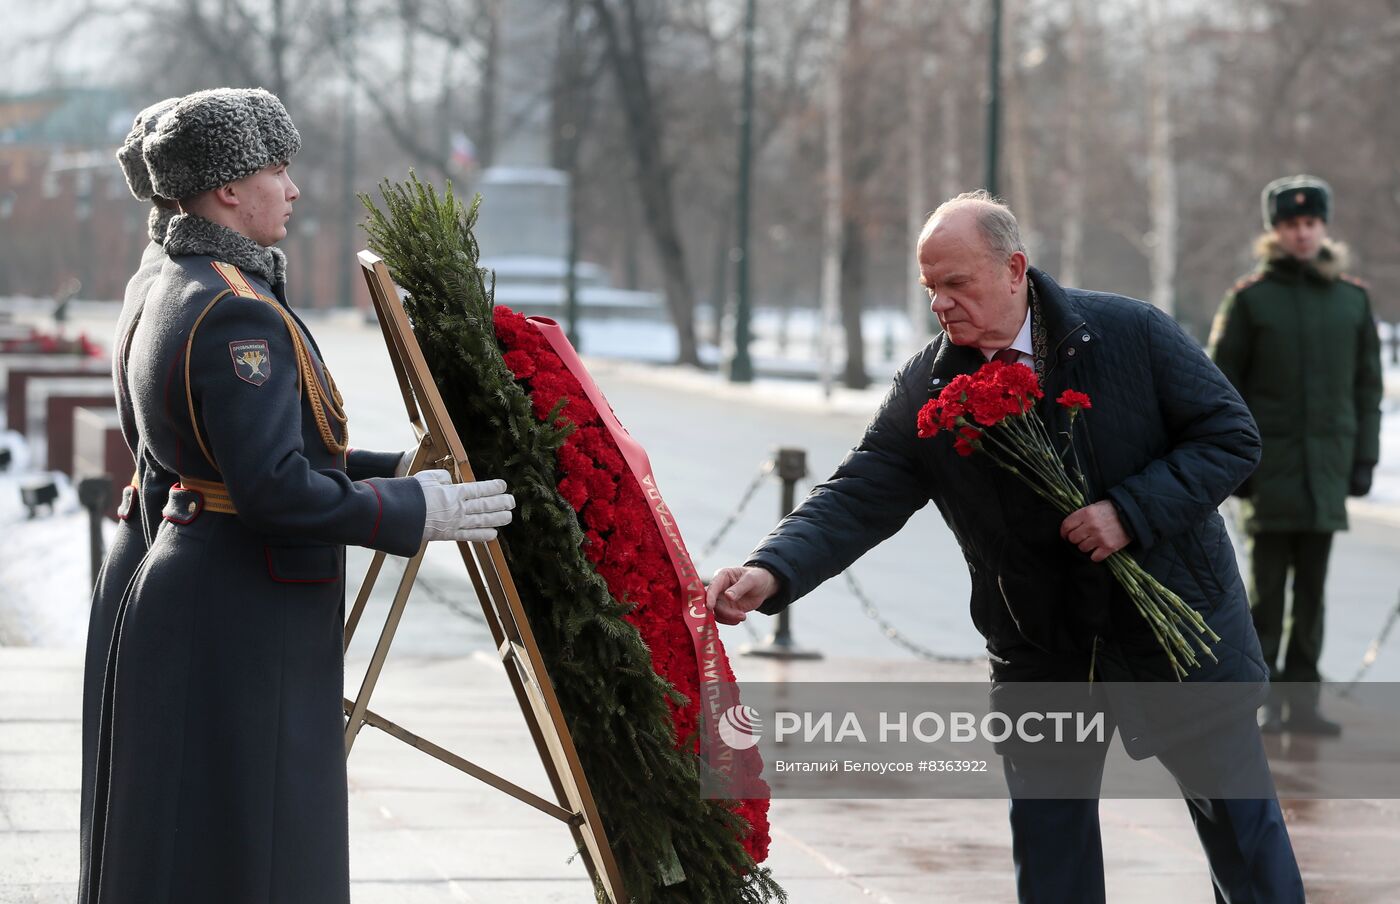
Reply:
x=1298, y=340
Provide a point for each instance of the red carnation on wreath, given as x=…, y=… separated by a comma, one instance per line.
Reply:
x=625, y=546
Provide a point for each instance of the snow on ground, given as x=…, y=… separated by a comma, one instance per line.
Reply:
x=44, y=572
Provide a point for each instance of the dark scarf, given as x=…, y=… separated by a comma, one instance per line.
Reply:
x=1040, y=343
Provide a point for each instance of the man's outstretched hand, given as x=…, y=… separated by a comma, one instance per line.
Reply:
x=735, y=592
x=1095, y=529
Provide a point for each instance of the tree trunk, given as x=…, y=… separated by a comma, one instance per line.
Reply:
x=832, y=220
x=1072, y=230
x=1017, y=139
x=853, y=254
x=349, y=207
x=950, y=134
x=719, y=291
x=1162, y=259
x=859, y=163
x=490, y=82
x=627, y=59
x=277, y=46
x=953, y=36
x=920, y=68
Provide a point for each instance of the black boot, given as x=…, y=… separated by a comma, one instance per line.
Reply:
x=1308, y=721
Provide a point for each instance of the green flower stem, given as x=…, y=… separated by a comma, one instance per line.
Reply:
x=1020, y=448
x=1021, y=445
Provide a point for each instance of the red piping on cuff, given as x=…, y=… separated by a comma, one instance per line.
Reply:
x=379, y=516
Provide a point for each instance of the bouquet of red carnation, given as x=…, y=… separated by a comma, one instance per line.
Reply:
x=993, y=411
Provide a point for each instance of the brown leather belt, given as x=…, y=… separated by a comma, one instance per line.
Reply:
x=216, y=497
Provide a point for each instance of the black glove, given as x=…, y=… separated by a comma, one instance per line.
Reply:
x=1244, y=490
x=1360, y=479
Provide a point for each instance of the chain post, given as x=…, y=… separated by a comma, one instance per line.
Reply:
x=95, y=493
x=791, y=466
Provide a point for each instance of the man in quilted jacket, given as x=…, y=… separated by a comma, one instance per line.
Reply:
x=1298, y=340
x=1167, y=441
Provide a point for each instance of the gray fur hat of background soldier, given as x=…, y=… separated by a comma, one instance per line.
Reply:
x=133, y=165
x=211, y=138
x=1296, y=196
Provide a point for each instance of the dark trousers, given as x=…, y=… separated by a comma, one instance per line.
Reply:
x=1058, y=852
x=1271, y=557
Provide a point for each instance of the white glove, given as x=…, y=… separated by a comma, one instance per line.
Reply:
x=463, y=511
x=401, y=469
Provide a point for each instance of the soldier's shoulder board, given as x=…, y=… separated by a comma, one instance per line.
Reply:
x=235, y=280
x=1361, y=284
x=1246, y=282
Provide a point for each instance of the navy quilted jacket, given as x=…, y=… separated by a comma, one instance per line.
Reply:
x=1167, y=440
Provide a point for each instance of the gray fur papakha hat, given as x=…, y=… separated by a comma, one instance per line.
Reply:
x=133, y=165
x=212, y=138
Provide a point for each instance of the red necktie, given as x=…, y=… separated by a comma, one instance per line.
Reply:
x=1007, y=356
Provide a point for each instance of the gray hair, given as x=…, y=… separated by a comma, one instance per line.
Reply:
x=994, y=219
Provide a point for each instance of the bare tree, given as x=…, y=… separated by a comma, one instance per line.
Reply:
x=417, y=111
x=626, y=49
x=833, y=218
x=858, y=163
x=1072, y=235
x=1163, y=165
x=1018, y=144
x=920, y=63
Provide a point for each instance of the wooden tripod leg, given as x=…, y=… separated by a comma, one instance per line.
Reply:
x=381, y=650
x=366, y=586
x=534, y=690
x=421, y=457
x=513, y=672
x=517, y=681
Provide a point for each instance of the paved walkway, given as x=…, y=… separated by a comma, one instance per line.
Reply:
x=421, y=832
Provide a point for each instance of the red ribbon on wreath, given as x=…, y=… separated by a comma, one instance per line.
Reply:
x=606, y=477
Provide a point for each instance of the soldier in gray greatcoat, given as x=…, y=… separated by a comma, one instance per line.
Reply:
x=220, y=762
x=136, y=522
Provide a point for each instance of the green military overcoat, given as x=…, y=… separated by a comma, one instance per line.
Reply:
x=1299, y=342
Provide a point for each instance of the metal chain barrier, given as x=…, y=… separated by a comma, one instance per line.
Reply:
x=867, y=605
x=733, y=518
x=893, y=634
x=446, y=599
x=1369, y=657
x=763, y=471
x=890, y=632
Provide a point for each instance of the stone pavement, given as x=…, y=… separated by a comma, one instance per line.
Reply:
x=421, y=832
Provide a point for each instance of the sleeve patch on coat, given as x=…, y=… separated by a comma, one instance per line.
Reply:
x=252, y=361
